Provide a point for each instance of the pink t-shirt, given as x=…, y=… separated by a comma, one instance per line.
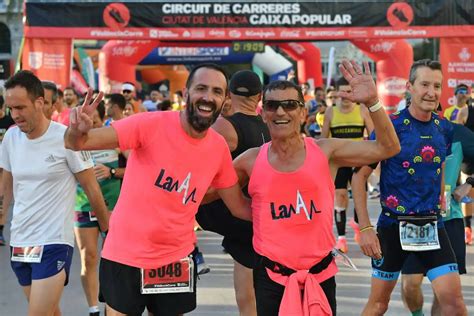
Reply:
x=295, y=206
x=168, y=172
x=292, y=216
x=62, y=117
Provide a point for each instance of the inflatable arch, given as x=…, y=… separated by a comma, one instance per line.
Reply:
x=393, y=59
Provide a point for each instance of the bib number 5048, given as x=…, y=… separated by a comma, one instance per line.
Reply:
x=176, y=277
x=170, y=270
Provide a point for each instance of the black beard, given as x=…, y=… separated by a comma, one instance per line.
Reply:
x=199, y=123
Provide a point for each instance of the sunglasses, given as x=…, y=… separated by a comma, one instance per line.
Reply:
x=287, y=105
x=126, y=91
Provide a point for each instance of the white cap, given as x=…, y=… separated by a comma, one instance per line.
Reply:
x=128, y=86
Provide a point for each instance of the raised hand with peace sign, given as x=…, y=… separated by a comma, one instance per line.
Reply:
x=80, y=118
x=80, y=135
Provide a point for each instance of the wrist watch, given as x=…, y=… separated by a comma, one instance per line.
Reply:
x=470, y=180
x=113, y=171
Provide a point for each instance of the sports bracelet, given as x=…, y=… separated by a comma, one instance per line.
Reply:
x=366, y=228
x=377, y=106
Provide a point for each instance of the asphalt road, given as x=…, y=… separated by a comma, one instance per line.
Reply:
x=215, y=289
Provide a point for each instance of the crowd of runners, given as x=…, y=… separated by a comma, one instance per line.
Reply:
x=270, y=168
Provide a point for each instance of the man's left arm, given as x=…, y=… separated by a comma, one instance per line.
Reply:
x=88, y=182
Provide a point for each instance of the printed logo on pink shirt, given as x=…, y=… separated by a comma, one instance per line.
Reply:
x=169, y=184
x=284, y=211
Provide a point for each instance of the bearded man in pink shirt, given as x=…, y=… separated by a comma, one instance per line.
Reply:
x=148, y=257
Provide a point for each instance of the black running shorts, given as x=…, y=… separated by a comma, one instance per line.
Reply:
x=120, y=289
x=343, y=177
x=455, y=230
x=436, y=262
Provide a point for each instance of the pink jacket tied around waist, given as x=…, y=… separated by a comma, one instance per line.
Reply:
x=313, y=302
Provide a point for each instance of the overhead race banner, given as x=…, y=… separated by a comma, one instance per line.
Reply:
x=457, y=60
x=49, y=59
x=220, y=20
x=180, y=55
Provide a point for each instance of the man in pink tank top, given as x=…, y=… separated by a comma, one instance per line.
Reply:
x=148, y=259
x=291, y=183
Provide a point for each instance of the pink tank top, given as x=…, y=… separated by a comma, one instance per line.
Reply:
x=293, y=211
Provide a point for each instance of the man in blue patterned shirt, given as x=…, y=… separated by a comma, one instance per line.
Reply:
x=410, y=185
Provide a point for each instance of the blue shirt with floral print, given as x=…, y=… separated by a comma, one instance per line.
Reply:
x=410, y=182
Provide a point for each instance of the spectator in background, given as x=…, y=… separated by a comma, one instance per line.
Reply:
x=61, y=113
x=50, y=97
x=319, y=95
x=128, y=91
x=320, y=114
x=331, y=97
x=178, y=101
x=115, y=107
x=305, y=87
x=312, y=128
x=155, y=99
x=128, y=111
x=70, y=97
x=315, y=120
x=462, y=97
x=165, y=105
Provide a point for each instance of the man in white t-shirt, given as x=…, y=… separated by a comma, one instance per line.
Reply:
x=41, y=175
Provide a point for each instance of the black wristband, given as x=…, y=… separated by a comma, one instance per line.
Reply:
x=470, y=180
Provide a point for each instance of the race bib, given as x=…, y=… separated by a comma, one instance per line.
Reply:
x=27, y=254
x=176, y=277
x=92, y=216
x=419, y=233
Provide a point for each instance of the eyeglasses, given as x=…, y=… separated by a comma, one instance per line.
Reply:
x=287, y=105
x=126, y=91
